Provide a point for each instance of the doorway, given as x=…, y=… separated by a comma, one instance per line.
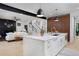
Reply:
x=76, y=27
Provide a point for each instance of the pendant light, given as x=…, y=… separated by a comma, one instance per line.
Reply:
x=56, y=17
x=40, y=12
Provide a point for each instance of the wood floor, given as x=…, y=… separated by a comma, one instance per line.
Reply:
x=74, y=45
x=14, y=48
x=71, y=49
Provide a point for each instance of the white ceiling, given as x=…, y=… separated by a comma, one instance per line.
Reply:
x=48, y=8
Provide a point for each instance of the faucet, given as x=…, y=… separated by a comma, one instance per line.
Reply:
x=55, y=30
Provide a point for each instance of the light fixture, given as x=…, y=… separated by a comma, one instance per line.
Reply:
x=56, y=17
x=16, y=19
x=40, y=12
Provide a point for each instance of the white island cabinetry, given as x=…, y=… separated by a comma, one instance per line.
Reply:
x=46, y=45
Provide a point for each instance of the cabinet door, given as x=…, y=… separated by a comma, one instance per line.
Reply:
x=57, y=46
x=63, y=41
x=49, y=47
x=53, y=47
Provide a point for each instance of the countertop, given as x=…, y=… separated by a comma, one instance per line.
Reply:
x=45, y=37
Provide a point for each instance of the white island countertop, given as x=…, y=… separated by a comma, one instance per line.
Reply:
x=46, y=45
x=45, y=37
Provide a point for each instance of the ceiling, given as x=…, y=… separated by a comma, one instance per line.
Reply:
x=48, y=8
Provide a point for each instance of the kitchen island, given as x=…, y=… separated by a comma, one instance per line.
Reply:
x=47, y=45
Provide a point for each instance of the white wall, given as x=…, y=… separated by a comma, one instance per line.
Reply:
x=24, y=19
x=43, y=23
x=72, y=25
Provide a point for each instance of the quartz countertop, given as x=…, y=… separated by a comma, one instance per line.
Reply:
x=45, y=37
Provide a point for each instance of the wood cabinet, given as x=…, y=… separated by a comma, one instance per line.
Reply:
x=63, y=25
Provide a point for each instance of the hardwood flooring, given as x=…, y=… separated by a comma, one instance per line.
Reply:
x=14, y=48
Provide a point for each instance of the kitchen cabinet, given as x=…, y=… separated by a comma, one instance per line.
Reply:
x=43, y=45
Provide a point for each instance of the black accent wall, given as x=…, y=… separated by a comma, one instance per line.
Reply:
x=7, y=26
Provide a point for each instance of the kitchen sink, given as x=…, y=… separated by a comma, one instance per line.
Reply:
x=55, y=34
